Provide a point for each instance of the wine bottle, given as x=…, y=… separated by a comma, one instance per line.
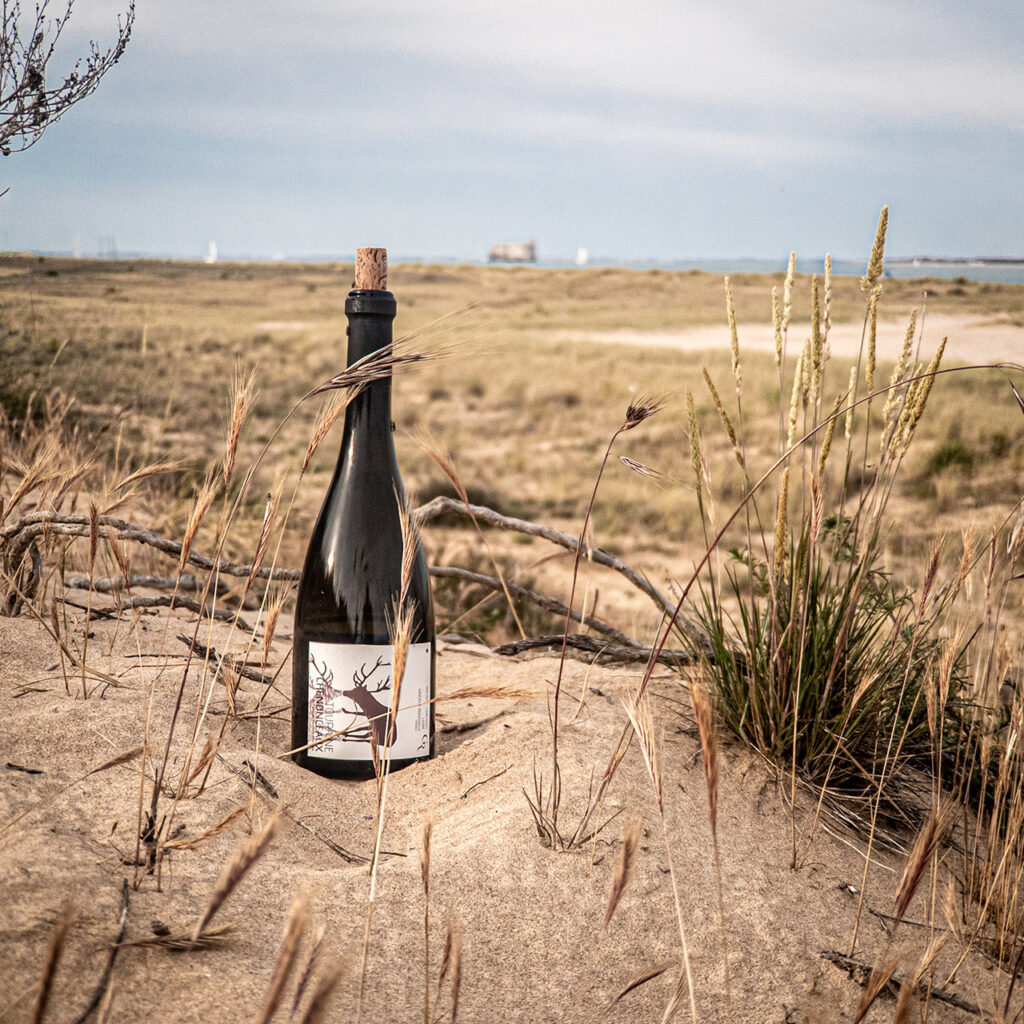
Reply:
x=343, y=653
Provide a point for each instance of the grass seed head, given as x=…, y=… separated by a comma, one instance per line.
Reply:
x=630, y=839
x=639, y=409
x=777, y=326
x=734, y=341
x=243, y=392
x=294, y=926
x=872, y=356
x=873, y=274
x=235, y=870
x=787, y=292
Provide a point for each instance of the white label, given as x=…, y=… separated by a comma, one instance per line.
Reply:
x=350, y=694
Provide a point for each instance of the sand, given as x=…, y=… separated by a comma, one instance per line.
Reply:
x=971, y=340
x=531, y=918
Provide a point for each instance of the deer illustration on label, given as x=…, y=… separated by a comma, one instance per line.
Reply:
x=323, y=708
x=377, y=715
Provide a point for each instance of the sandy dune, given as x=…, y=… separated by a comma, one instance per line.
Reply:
x=970, y=340
x=533, y=945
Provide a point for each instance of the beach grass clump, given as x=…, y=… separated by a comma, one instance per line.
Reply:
x=817, y=654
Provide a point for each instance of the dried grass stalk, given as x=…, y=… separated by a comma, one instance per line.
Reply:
x=236, y=869
x=201, y=505
x=184, y=942
x=880, y=977
x=924, y=846
x=319, y=1004
x=128, y=755
x=640, y=717
x=329, y=415
x=630, y=838
x=641, y=979
x=222, y=826
x=308, y=968
x=709, y=749
x=54, y=950
x=243, y=392
x=424, y=853
x=873, y=274
x=293, y=928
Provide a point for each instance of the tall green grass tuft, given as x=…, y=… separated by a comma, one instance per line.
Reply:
x=818, y=656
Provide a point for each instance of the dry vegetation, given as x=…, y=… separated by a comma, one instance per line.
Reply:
x=863, y=635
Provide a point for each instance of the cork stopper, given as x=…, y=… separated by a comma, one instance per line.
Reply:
x=372, y=269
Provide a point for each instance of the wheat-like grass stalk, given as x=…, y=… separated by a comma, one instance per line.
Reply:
x=777, y=327
x=200, y=506
x=243, y=392
x=873, y=274
x=308, y=967
x=320, y=1002
x=54, y=952
x=898, y=372
x=880, y=977
x=920, y=854
x=294, y=926
x=329, y=415
x=734, y=340
x=872, y=348
x=724, y=417
x=267, y=527
x=623, y=871
x=235, y=870
x=817, y=342
x=185, y=942
x=222, y=826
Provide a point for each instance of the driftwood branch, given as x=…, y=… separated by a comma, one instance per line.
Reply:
x=524, y=593
x=19, y=535
x=592, y=645
x=442, y=505
x=861, y=973
x=19, y=542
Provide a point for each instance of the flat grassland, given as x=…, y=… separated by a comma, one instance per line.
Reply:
x=531, y=374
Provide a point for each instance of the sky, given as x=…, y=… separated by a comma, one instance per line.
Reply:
x=654, y=129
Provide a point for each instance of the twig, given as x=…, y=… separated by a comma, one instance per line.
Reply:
x=861, y=972
x=497, y=775
x=223, y=659
x=247, y=778
x=442, y=505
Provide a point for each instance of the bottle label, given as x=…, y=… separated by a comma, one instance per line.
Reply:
x=350, y=697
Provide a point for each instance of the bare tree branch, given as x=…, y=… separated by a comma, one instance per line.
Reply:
x=28, y=104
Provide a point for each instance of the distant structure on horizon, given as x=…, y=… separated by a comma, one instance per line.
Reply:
x=513, y=252
x=211, y=253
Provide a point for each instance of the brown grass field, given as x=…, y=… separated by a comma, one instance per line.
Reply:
x=734, y=863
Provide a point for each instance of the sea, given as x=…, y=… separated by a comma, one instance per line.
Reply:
x=1003, y=271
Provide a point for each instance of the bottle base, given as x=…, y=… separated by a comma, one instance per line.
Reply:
x=349, y=768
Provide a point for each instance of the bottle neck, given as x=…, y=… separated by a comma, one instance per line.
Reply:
x=370, y=318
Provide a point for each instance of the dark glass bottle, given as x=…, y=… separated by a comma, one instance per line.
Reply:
x=351, y=579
